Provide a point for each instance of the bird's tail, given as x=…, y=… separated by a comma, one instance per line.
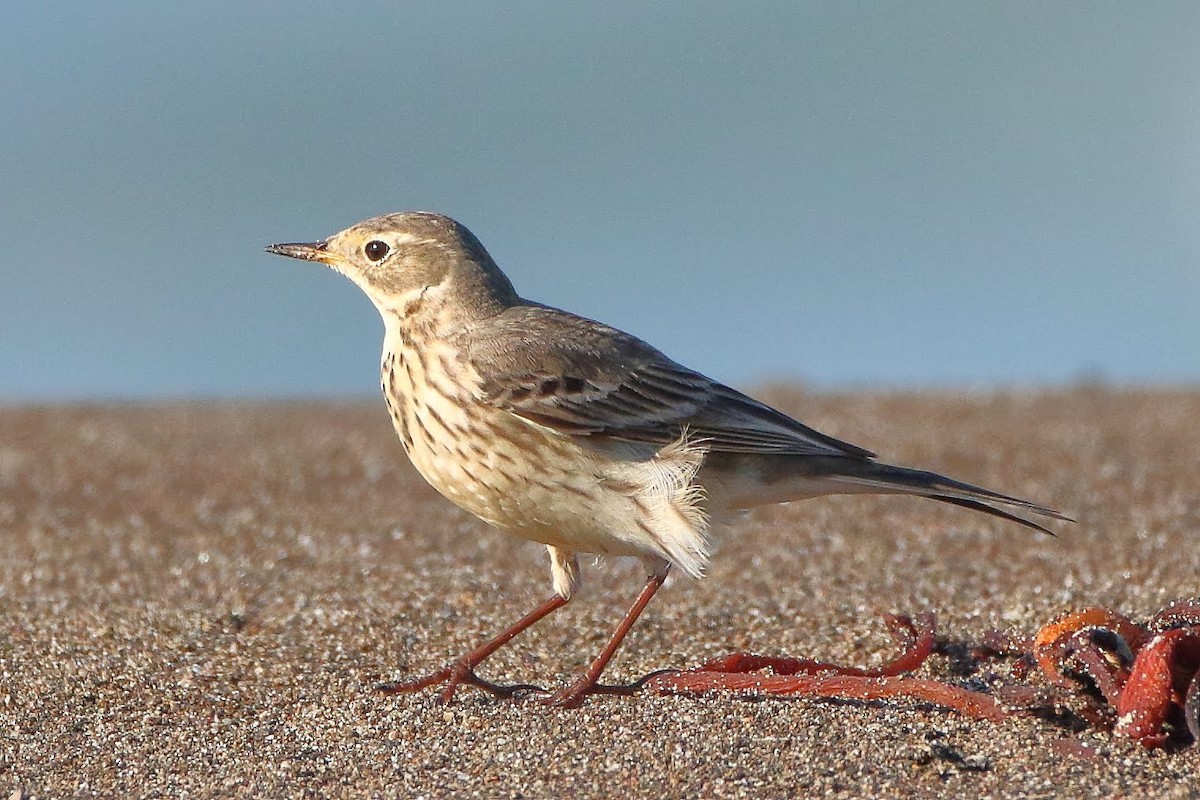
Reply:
x=876, y=478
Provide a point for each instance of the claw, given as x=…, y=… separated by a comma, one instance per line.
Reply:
x=1151, y=690
x=1051, y=642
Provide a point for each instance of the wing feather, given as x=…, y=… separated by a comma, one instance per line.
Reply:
x=584, y=378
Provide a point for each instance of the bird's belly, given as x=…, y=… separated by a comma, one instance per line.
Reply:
x=527, y=482
x=534, y=482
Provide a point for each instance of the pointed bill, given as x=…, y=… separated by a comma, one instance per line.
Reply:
x=305, y=251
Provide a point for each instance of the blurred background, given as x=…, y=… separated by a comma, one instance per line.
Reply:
x=845, y=194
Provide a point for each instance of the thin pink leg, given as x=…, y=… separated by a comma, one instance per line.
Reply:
x=462, y=670
x=572, y=696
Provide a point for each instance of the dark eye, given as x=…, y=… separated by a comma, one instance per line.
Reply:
x=376, y=250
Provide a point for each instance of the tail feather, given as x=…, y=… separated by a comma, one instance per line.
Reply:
x=995, y=512
x=887, y=478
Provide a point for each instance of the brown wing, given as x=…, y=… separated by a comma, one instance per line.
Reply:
x=586, y=379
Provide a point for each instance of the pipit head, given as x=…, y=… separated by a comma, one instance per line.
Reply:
x=395, y=258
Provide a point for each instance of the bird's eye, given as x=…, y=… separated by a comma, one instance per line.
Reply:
x=376, y=250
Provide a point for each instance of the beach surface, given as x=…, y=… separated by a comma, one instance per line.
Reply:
x=197, y=599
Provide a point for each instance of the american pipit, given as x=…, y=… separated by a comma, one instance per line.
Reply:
x=564, y=431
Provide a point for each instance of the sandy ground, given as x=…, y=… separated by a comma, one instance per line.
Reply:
x=196, y=600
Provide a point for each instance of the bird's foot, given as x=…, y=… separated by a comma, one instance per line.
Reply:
x=573, y=694
x=570, y=696
x=453, y=676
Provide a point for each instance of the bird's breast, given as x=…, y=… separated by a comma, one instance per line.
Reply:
x=535, y=482
x=495, y=465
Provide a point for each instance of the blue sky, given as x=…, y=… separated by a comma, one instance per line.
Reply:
x=845, y=194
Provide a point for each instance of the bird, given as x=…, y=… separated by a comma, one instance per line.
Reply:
x=567, y=432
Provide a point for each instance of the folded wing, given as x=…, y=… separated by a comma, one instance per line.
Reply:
x=583, y=378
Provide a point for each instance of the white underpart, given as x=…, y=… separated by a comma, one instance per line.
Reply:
x=392, y=308
x=564, y=571
x=671, y=502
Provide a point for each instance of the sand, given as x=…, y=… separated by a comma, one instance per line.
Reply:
x=196, y=600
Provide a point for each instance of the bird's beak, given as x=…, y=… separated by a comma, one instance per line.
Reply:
x=311, y=251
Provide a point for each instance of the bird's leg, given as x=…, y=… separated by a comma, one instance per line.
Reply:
x=462, y=670
x=572, y=696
